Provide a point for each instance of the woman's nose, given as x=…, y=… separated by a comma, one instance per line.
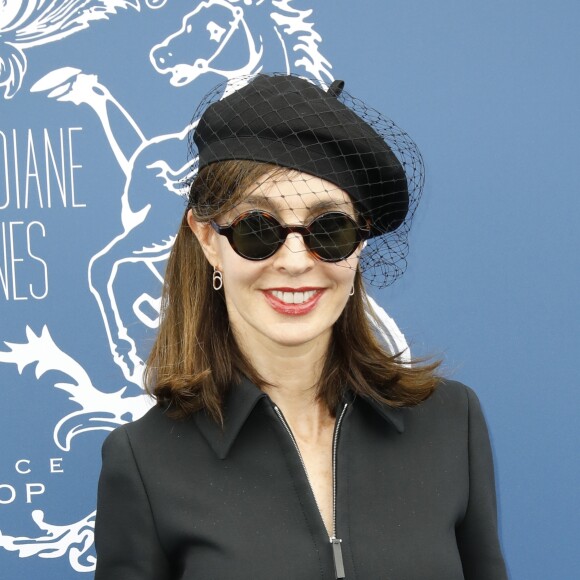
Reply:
x=293, y=256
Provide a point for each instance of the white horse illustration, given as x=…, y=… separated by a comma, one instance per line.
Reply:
x=215, y=29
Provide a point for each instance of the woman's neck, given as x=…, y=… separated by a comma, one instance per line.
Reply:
x=293, y=372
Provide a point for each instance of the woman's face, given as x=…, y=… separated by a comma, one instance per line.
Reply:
x=290, y=298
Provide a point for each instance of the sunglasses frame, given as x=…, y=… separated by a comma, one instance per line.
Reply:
x=363, y=233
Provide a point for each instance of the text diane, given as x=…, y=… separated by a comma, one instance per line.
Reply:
x=37, y=173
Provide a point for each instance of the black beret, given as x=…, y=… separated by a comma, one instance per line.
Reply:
x=288, y=121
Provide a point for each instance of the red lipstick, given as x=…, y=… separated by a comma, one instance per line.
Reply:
x=293, y=309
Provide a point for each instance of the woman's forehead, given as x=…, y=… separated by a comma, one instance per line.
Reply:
x=295, y=190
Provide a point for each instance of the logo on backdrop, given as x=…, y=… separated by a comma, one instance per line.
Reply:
x=265, y=35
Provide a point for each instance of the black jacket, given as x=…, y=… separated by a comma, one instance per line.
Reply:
x=415, y=496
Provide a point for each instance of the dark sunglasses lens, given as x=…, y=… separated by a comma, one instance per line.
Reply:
x=333, y=237
x=256, y=236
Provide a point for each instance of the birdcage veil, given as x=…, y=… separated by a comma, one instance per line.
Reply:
x=327, y=140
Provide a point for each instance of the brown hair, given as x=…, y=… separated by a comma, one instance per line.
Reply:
x=193, y=363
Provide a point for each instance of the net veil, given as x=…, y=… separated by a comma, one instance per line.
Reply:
x=340, y=175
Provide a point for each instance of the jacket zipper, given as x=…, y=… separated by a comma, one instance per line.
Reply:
x=334, y=541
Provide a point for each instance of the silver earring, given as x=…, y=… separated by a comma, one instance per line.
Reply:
x=217, y=279
x=351, y=293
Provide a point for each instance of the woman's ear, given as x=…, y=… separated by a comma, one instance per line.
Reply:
x=207, y=238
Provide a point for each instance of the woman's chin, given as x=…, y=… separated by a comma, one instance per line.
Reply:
x=297, y=336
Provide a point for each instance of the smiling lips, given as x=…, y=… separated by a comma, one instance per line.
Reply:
x=293, y=301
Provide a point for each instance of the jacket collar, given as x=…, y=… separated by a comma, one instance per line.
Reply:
x=241, y=401
x=393, y=415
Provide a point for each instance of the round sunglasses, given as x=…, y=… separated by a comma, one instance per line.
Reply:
x=257, y=235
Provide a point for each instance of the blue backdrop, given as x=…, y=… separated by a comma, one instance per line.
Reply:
x=95, y=100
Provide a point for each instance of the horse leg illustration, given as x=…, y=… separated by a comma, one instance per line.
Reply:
x=71, y=85
x=147, y=241
x=129, y=247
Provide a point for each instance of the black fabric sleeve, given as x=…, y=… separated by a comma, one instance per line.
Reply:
x=477, y=536
x=125, y=536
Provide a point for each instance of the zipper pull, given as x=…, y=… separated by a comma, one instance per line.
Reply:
x=337, y=555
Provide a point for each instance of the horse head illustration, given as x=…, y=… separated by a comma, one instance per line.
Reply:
x=213, y=26
x=234, y=38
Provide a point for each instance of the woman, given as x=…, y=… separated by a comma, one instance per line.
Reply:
x=287, y=442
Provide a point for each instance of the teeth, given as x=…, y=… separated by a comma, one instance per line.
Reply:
x=294, y=297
